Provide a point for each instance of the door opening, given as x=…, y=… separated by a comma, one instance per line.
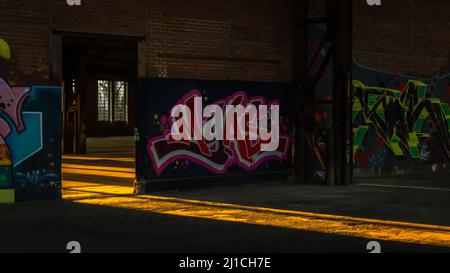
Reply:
x=99, y=87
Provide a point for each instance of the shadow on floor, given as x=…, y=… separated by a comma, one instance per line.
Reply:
x=48, y=227
x=95, y=178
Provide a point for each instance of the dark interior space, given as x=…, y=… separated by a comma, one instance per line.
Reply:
x=100, y=78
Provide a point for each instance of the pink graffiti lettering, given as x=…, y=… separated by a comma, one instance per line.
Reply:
x=216, y=155
x=11, y=102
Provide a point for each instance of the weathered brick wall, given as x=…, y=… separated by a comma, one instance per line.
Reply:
x=225, y=39
x=407, y=36
x=219, y=39
x=24, y=24
x=201, y=39
x=187, y=40
x=101, y=16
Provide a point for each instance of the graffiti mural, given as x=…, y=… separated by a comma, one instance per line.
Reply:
x=11, y=103
x=397, y=121
x=30, y=133
x=166, y=157
x=5, y=50
x=407, y=121
x=217, y=156
x=29, y=142
x=400, y=122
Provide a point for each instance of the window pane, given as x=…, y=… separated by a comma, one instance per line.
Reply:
x=120, y=101
x=104, y=101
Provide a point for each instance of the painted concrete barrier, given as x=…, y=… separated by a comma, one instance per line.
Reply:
x=30, y=143
x=160, y=158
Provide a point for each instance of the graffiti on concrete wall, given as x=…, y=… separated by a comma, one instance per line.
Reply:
x=11, y=104
x=407, y=121
x=30, y=141
x=217, y=155
x=165, y=157
x=30, y=134
x=397, y=121
x=5, y=50
x=400, y=122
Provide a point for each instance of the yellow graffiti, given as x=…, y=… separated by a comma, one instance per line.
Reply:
x=5, y=51
x=398, y=117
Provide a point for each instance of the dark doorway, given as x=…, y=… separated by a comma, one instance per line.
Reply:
x=100, y=80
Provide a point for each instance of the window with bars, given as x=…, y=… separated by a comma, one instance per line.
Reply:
x=120, y=101
x=112, y=103
x=104, y=101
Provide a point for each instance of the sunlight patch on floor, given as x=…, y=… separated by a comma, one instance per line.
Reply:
x=98, y=158
x=98, y=168
x=123, y=197
x=98, y=172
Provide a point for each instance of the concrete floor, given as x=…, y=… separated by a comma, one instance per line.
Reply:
x=406, y=214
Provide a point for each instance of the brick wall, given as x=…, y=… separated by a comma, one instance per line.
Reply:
x=27, y=33
x=407, y=36
x=101, y=16
x=219, y=39
x=224, y=39
x=201, y=39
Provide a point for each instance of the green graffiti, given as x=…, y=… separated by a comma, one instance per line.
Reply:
x=399, y=117
x=5, y=51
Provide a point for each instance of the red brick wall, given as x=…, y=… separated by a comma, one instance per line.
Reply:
x=125, y=17
x=28, y=35
x=219, y=39
x=408, y=36
x=225, y=39
x=201, y=39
